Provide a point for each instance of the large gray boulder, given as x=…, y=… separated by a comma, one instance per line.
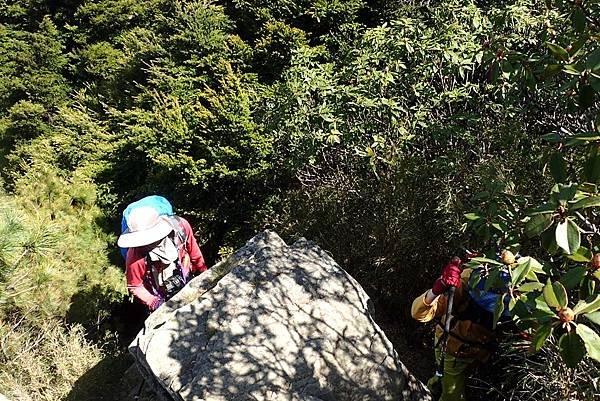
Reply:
x=272, y=322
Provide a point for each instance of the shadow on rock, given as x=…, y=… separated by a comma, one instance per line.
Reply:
x=273, y=322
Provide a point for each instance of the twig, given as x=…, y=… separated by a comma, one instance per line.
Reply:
x=590, y=226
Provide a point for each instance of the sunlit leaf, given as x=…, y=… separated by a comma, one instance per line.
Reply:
x=473, y=216
x=555, y=294
x=524, y=266
x=593, y=317
x=486, y=260
x=530, y=286
x=590, y=339
x=568, y=236
x=587, y=307
x=582, y=254
x=590, y=201
x=558, y=52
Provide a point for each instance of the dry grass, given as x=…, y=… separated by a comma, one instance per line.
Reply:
x=43, y=362
x=521, y=376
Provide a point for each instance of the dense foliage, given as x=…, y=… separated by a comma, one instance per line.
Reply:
x=373, y=128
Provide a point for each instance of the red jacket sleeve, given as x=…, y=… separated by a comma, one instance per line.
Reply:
x=196, y=257
x=135, y=270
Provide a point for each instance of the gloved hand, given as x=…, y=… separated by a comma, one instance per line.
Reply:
x=450, y=277
x=157, y=302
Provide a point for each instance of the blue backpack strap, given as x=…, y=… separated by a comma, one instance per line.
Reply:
x=487, y=300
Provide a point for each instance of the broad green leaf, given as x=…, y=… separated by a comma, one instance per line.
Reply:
x=541, y=305
x=590, y=339
x=588, y=186
x=595, y=83
x=579, y=21
x=530, y=286
x=524, y=266
x=578, y=45
x=586, y=136
x=498, y=309
x=593, y=60
x=538, y=224
x=573, y=69
x=519, y=309
x=506, y=67
x=571, y=349
x=544, y=316
x=593, y=317
x=582, y=254
x=492, y=279
x=558, y=167
x=473, y=216
x=552, y=137
x=573, y=277
x=565, y=193
x=558, y=52
x=586, y=96
x=552, y=69
x=541, y=335
x=483, y=260
x=587, y=288
x=574, y=235
x=568, y=236
x=591, y=168
x=474, y=279
x=590, y=201
x=532, y=276
x=548, y=241
x=543, y=209
x=587, y=307
x=499, y=226
x=562, y=239
x=555, y=294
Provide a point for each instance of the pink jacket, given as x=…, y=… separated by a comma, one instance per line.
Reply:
x=139, y=278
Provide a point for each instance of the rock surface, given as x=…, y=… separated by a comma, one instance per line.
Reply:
x=272, y=322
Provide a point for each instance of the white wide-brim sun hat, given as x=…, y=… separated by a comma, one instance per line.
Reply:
x=144, y=226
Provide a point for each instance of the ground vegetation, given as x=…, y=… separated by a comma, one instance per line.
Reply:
x=392, y=133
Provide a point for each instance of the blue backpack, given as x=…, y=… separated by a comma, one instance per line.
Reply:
x=487, y=300
x=157, y=202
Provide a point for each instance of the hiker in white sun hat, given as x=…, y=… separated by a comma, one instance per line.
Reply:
x=144, y=227
x=161, y=257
